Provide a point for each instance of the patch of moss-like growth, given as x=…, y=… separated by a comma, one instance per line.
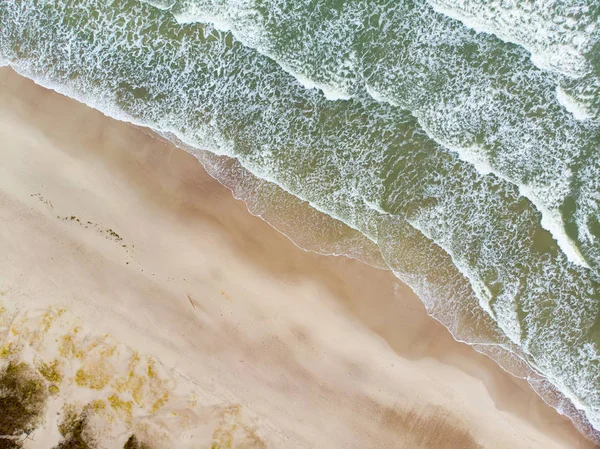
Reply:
x=73, y=430
x=23, y=397
x=51, y=371
x=133, y=443
x=94, y=377
x=125, y=407
x=66, y=346
x=7, y=350
x=160, y=402
x=7, y=443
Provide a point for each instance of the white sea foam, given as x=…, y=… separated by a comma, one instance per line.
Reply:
x=329, y=92
x=379, y=96
x=576, y=108
x=476, y=157
x=506, y=308
x=551, y=218
x=553, y=223
x=161, y=4
x=243, y=21
x=558, y=35
x=374, y=206
x=556, y=43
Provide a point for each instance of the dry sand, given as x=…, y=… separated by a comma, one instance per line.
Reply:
x=323, y=352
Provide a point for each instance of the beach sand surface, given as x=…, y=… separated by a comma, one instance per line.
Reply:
x=131, y=235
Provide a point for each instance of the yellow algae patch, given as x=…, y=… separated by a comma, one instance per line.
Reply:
x=231, y=429
x=223, y=434
x=119, y=381
x=119, y=405
x=133, y=364
x=66, y=346
x=160, y=402
x=193, y=400
x=8, y=350
x=33, y=329
x=151, y=370
x=133, y=383
x=109, y=352
x=79, y=354
x=51, y=371
x=94, y=377
x=47, y=321
x=96, y=406
x=144, y=385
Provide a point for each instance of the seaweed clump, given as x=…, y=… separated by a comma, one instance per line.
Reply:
x=133, y=443
x=22, y=402
x=73, y=430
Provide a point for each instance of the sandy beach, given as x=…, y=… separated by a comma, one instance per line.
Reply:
x=131, y=236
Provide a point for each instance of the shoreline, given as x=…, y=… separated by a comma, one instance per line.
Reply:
x=218, y=294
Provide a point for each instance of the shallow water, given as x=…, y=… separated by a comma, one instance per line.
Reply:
x=466, y=162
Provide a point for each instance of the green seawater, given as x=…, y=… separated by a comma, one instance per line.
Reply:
x=467, y=161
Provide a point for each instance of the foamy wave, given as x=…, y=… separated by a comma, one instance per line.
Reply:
x=329, y=92
x=476, y=157
x=576, y=108
x=161, y=4
x=556, y=42
x=466, y=114
x=552, y=222
x=551, y=218
x=245, y=23
x=560, y=37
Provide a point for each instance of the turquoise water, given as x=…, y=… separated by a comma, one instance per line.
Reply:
x=453, y=142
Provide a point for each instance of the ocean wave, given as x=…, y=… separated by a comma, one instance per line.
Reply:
x=472, y=93
x=558, y=34
x=561, y=37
